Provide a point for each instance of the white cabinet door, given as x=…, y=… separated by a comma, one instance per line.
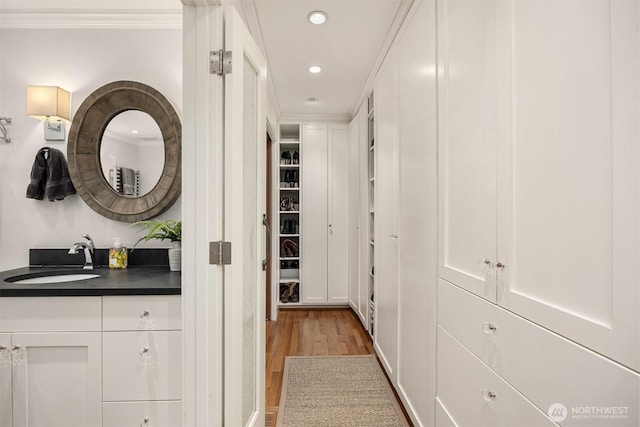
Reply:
x=417, y=214
x=314, y=215
x=57, y=379
x=386, y=218
x=467, y=143
x=354, y=218
x=365, y=246
x=338, y=212
x=5, y=381
x=569, y=186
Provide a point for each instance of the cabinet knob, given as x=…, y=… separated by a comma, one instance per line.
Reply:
x=145, y=314
x=3, y=347
x=144, y=350
x=488, y=395
x=144, y=422
x=486, y=261
x=499, y=265
x=15, y=348
x=489, y=328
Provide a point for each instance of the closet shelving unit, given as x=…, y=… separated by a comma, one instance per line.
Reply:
x=289, y=215
x=371, y=174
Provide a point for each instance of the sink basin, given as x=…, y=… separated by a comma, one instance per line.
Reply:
x=56, y=276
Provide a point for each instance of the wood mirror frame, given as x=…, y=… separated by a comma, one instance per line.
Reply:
x=83, y=151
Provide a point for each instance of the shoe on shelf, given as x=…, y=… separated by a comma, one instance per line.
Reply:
x=295, y=159
x=293, y=293
x=285, y=158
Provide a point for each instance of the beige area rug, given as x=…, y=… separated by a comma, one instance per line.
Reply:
x=337, y=391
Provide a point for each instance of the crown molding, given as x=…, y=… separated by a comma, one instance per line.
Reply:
x=329, y=117
x=90, y=14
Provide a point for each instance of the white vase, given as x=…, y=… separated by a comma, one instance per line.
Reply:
x=175, y=257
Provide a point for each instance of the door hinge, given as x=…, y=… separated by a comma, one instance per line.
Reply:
x=220, y=253
x=220, y=62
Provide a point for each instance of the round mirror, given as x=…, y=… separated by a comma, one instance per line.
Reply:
x=91, y=153
x=132, y=153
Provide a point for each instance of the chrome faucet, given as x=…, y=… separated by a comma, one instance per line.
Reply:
x=89, y=251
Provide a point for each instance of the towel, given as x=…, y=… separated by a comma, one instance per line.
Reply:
x=50, y=176
x=128, y=179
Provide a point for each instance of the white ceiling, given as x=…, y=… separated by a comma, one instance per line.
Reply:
x=347, y=47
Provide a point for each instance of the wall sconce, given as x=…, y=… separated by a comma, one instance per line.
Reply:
x=49, y=103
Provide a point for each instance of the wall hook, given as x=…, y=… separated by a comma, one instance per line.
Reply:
x=3, y=130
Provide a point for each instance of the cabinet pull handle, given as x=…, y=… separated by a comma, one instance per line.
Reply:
x=488, y=395
x=489, y=328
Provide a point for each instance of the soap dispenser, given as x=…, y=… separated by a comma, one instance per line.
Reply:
x=118, y=255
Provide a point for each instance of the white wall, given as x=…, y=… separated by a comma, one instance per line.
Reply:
x=79, y=61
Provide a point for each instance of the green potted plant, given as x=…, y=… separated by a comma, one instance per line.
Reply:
x=164, y=229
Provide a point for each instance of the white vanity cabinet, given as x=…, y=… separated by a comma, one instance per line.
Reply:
x=52, y=375
x=142, y=352
x=91, y=361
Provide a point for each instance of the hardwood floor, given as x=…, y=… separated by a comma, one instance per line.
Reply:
x=331, y=332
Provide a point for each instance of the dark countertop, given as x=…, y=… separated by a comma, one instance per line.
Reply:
x=134, y=280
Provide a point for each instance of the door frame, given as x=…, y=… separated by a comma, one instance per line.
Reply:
x=202, y=212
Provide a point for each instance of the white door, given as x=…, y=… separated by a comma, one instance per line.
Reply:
x=314, y=220
x=338, y=237
x=244, y=205
x=467, y=144
x=5, y=381
x=57, y=379
x=568, y=195
x=354, y=217
x=386, y=217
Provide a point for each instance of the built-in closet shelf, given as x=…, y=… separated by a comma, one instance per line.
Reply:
x=289, y=142
x=289, y=280
x=289, y=188
x=283, y=166
x=289, y=212
x=284, y=304
x=289, y=235
x=292, y=258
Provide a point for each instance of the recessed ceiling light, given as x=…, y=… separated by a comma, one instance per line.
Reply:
x=317, y=17
x=315, y=69
x=134, y=131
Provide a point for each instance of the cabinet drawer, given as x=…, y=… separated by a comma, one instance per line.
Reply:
x=43, y=314
x=147, y=414
x=142, y=365
x=136, y=313
x=474, y=395
x=543, y=366
x=443, y=419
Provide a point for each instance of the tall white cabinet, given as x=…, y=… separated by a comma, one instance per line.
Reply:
x=539, y=206
x=323, y=212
